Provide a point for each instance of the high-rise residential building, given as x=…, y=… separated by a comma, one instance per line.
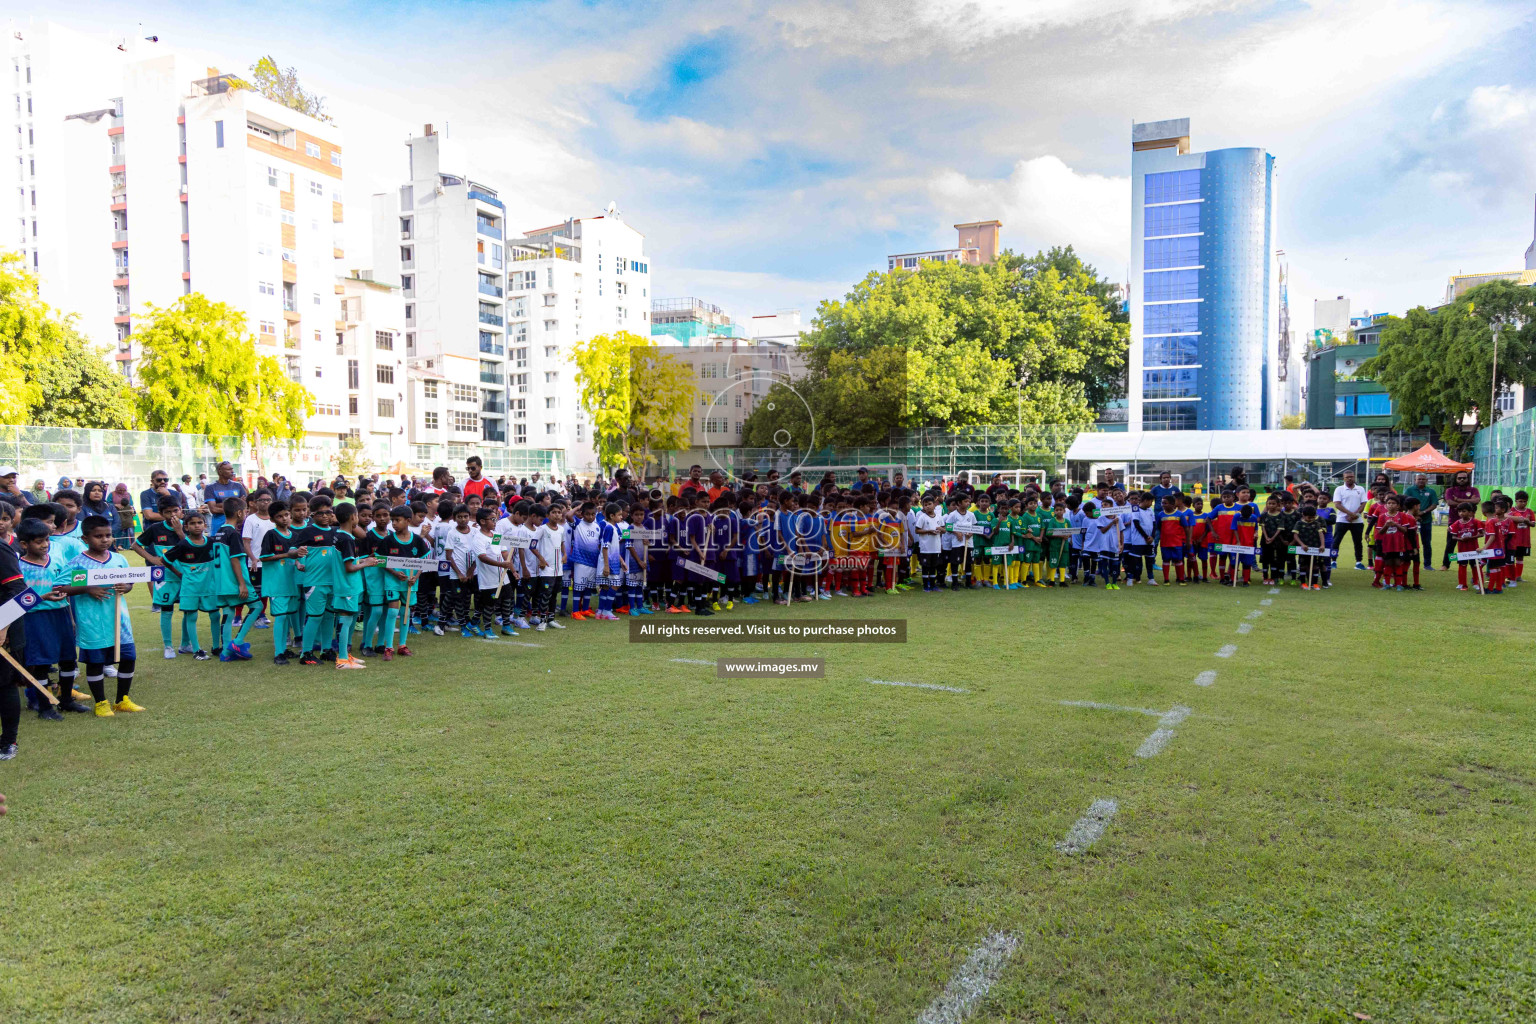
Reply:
x=566, y=283
x=443, y=237
x=141, y=178
x=373, y=403
x=1202, y=333
x=976, y=242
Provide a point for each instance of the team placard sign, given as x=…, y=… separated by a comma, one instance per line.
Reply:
x=1237, y=549
x=401, y=563
x=1476, y=556
x=976, y=528
x=112, y=575
x=1310, y=552
x=1116, y=510
x=703, y=570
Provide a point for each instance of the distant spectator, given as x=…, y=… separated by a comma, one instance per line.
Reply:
x=39, y=492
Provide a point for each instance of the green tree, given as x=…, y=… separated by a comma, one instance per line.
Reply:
x=281, y=85
x=959, y=339
x=639, y=397
x=81, y=389
x=31, y=337
x=351, y=457
x=201, y=374
x=1437, y=365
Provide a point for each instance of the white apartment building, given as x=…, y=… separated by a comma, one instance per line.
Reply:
x=566, y=283
x=443, y=237
x=370, y=342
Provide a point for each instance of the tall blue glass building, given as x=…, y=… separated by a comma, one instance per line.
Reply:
x=1200, y=282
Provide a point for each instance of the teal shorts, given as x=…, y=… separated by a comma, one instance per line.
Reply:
x=318, y=601
x=283, y=604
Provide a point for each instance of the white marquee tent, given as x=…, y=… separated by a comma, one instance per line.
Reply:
x=1161, y=448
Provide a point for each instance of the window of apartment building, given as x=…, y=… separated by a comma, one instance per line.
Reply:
x=619, y=311
x=267, y=327
x=550, y=298
x=519, y=433
x=335, y=159
x=709, y=371
x=354, y=375
x=519, y=407
x=286, y=216
x=520, y=357
x=218, y=134
x=738, y=401
x=266, y=288
x=387, y=408
x=551, y=402
x=550, y=351
x=549, y=277
x=384, y=374
x=464, y=393
x=316, y=297
x=384, y=340
x=519, y=334
x=352, y=405
x=496, y=256
x=599, y=287
x=520, y=382
x=316, y=189
x=263, y=210
x=408, y=284
x=429, y=420
x=551, y=325
x=272, y=176
x=410, y=311
x=410, y=343
x=312, y=150
x=551, y=377
x=466, y=422
x=551, y=429
x=429, y=389
x=581, y=433
x=519, y=307
x=327, y=409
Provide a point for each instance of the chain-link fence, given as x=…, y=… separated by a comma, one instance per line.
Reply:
x=1505, y=453
x=48, y=453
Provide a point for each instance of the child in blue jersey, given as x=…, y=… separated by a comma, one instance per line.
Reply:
x=50, y=630
x=102, y=627
x=610, y=564
x=636, y=561
x=195, y=557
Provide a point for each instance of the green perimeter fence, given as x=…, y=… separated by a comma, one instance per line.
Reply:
x=1505, y=453
x=112, y=455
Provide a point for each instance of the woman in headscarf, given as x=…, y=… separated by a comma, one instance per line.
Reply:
x=93, y=502
x=39, y=494
x=122, y=500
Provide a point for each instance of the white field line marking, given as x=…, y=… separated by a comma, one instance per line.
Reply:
x=1244, y=627
x=1110, y=707
x=920, y=686
x=1154, y=744
x=1273, y=590
x=1087, y=830
x=691, y=661
x=1227, y=650
x=1267, y=602
x=1255, y=613
x=1206, y=678
x=972, y=981
x=514, y=643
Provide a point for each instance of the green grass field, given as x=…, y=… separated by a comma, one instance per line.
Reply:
x=589, y=831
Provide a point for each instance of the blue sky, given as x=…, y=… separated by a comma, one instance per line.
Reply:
x=774, y=151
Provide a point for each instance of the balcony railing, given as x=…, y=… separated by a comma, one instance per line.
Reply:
x=486, y=288
x=494, y=404
x=484, y=198
x=407, y=264
x=492, y=377
x=290, y=306
x=485, y=227
x=490, y=318
x=120, y=234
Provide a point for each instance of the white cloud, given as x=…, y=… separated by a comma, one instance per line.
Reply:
x=1492, y=107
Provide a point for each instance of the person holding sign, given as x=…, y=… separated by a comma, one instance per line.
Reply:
x=1314, y=560
x=1274, y=530
x=1495, y=540
x=50, y=632
x=959, y=535
x=151, y=545
x=399, y=584
x=101, y=621
x=1464, y=533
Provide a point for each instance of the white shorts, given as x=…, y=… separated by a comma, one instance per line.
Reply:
x=584, y=577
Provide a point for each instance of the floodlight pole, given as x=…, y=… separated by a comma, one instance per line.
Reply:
x=1493, y=388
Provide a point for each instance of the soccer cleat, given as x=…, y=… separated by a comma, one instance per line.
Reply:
x=521, y=623
x=186, y=649
x=201, y=656
x=730, y=605
x=1359, y=565
x=366, y=652
x=749, y=599
x=539, y=628
x=404, y=651
x=170, y=653
x=675, y=610
x=309, y=659
x=125, y=704
x=715, y=605
x=243, y=651
x=437, y=629
x=891, y=590
x=557, y=623
x=1416, y=586
x=49, y=713
x=262, y=622
x=228, y=654
x=389, y=654
x=328, y=656
x=78, y=707
x=703, y=609
x=349, y=663
x=621, y=610
x=7, y=752
x=281, y=659
x=103, y=709
x=508, y=631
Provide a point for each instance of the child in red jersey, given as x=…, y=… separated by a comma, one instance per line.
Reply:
x=1498, y=534
x=1391, y=542
x=1464, y=531
x=1522, y=517
x=1373, y=511
x=1409, y=518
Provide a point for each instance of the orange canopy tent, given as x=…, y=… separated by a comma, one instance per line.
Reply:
x=1427, y=460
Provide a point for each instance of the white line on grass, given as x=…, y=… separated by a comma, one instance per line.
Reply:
x=972, y=981
x=1155, y=743
x=1110, y=707
x=1267, y=602
x=1087, y=830
x=691, y=661
x=1227, y=650
x=920, y=686
x=1244, y=627
x=1255, y=613
x=1273, y=590
x=1206, y=678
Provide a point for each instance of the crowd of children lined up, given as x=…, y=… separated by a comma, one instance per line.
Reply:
x=318, y=572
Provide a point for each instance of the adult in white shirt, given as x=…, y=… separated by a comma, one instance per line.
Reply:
x=1349, y=502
